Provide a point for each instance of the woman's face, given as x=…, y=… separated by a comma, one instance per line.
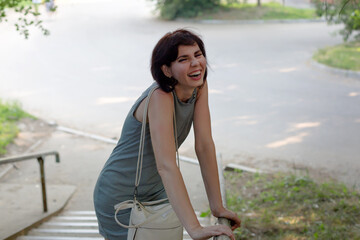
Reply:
x=188, y=68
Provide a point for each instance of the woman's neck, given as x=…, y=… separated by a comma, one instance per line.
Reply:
x=183, y=94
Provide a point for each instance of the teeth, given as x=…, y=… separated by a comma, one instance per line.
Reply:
x=195, y=74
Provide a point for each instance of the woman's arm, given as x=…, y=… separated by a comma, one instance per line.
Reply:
x=205, y=151
x=161, y=109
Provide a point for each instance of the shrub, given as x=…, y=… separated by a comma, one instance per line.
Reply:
x=341, y=11
x=171, y=9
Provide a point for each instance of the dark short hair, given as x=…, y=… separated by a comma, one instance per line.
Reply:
x=166, y=51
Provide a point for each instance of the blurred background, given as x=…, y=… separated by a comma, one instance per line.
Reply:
x=273, y=107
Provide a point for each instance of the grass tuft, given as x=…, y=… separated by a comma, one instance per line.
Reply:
x=292, y=207
x=344, y=56
x=268, y=11
x=10, y=113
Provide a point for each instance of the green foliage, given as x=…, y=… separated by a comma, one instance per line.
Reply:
x=171, y=9
x=8, y=132
x=250, y=11
x=345, y=12
x=344, y=56
x=228, y=9
x=292, y=207
x=205, y=214
x=9, y=114
x=278, y=11
x=28, y=15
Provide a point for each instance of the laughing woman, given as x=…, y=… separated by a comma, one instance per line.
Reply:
x=179, y=68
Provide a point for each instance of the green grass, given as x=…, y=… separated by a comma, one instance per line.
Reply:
x=344, y=56
x=268, y=11
x=292, y=207
x=10, y=113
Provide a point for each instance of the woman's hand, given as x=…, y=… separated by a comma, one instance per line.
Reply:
x=204, y=233
x=235, y=221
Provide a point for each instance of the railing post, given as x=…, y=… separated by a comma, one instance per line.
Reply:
x=226, y=222
x=57, y=157
x=222, y=221
x=42, y=178
x=40, y=157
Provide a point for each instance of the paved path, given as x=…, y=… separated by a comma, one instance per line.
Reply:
x=81, y=160
x=270, y=108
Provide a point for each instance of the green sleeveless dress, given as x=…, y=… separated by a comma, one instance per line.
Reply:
x=117, y=178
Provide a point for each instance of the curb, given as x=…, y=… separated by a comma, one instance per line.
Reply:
x=228, y=167
x=109, y=140
x=233, y=167
x=216, y=21
x=345, y=73
x=84, y=134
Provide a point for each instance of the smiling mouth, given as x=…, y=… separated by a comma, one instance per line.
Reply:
x=195, y=74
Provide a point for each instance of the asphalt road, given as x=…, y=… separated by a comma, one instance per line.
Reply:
x=270, y=107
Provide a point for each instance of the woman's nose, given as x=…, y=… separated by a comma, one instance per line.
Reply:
x=194, y=62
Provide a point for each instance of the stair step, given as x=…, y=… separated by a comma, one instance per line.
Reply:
x=89, y=233
x=74, y=218
x=57, y=238
x=80, y=213
x=78, y=225
x=70, y=224
x=65, y=231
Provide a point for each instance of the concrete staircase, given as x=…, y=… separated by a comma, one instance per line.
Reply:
x=77, y=225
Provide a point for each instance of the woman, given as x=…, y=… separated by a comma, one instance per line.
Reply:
x=179, y=68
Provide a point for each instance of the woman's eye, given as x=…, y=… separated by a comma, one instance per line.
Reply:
x=198, y=55
x=182, y=59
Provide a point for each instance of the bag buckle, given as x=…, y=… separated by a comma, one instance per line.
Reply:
x=135, y=192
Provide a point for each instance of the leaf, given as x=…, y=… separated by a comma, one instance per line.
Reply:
x=346, y=2
x=38, y=23
x=205, y=214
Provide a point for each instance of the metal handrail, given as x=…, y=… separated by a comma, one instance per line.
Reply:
x=222, y=221
x=40, y=157
x=226, y=222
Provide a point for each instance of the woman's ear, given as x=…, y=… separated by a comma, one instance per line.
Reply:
x=166, y=70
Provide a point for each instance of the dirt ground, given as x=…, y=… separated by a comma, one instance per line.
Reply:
x=32, y=132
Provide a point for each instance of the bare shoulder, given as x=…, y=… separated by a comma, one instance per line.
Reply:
x=159, y=93
x=159, y=101
x=161, y=98
x=161, y=107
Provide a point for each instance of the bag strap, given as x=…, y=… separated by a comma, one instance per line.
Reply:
x=130, y=204
x=142, y=141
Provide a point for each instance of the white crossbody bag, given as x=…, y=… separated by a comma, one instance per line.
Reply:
x=154, y=220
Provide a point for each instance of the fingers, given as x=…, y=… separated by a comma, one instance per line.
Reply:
x=207, y=232
x=217, y=231
x=235, y=221
x=224, y=230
